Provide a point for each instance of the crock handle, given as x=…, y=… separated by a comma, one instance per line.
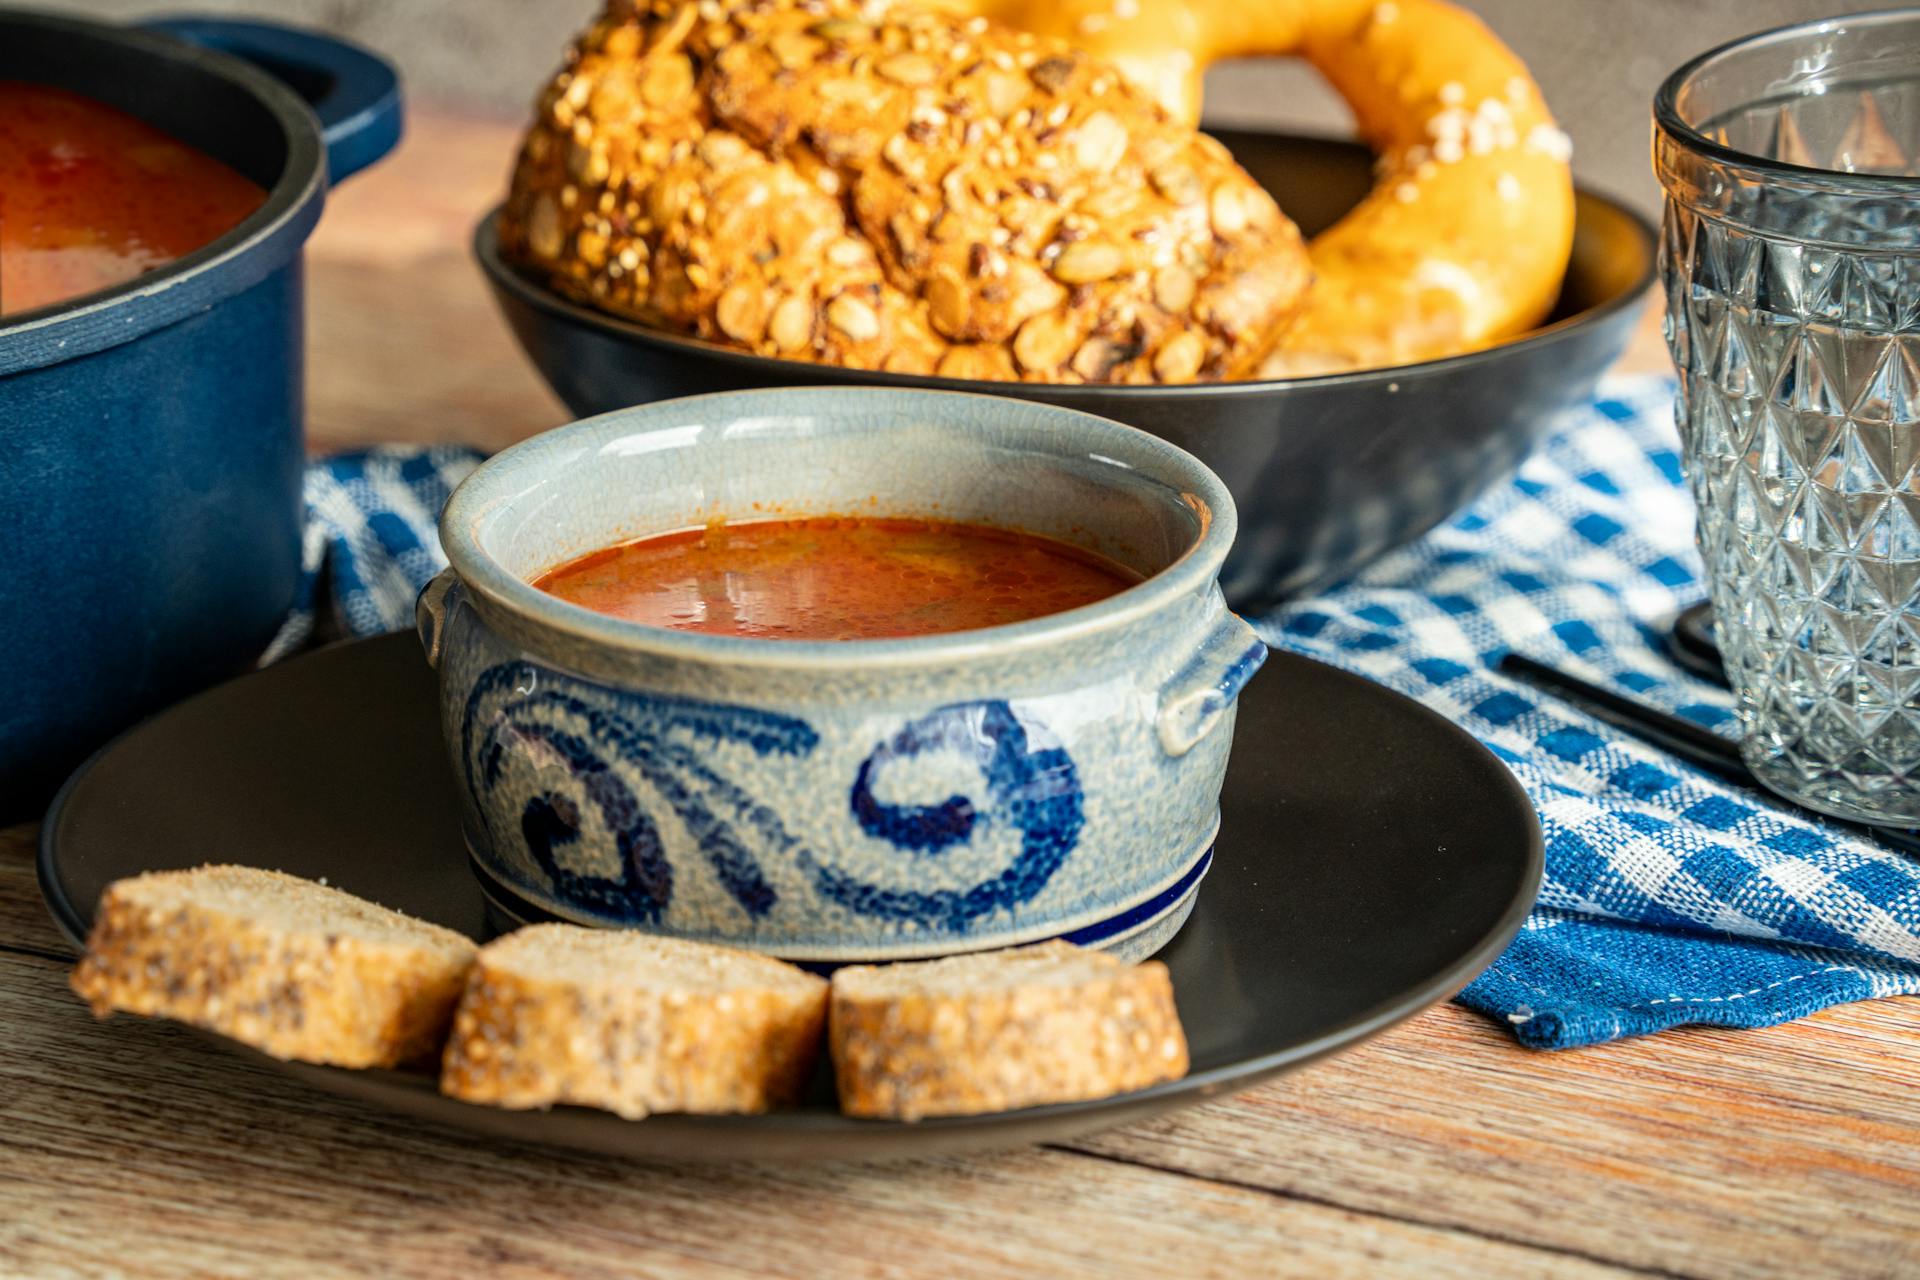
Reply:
x=430, y=614
x=1198, y=695
x=354, y=91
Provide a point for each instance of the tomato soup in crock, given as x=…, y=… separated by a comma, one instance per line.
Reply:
x=836, y=578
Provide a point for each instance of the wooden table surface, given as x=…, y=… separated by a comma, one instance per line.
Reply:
x=1439, y=1149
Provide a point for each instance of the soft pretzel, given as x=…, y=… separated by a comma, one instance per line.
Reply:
x=1464, y=238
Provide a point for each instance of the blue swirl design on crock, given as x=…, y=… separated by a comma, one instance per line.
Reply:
x=532, y=698
x=1034, y=790
x=588, y=731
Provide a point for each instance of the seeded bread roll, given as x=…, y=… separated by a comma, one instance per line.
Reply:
x=888, y=186
x=295, y=969
x=633, y=1024
x=1007, y=1029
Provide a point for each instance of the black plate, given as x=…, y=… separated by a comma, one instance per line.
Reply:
x=1327, y=472
x=1373, y=859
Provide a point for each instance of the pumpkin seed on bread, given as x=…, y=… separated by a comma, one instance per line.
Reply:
x=293, y=968
x=632, y=1023
x=1000, y=1030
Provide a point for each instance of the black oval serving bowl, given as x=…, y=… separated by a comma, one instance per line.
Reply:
x=1328, y=472
x=150, y=434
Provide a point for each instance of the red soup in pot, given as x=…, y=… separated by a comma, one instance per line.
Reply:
x=90, y=197
x=836, y=578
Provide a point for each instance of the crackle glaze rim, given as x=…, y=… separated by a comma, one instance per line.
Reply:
x=494, y=484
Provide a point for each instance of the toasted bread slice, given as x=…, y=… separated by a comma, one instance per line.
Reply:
x=1000, y=1030
x=293, y=968
x=633, y=1024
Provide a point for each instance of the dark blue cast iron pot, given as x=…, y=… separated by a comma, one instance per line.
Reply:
x=150, y=435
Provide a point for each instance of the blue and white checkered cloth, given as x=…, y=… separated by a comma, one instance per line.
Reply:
x=1670, y=897
x=371, y=543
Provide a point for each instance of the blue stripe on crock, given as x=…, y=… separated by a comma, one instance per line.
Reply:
x=520, y=910
x=1159, y=904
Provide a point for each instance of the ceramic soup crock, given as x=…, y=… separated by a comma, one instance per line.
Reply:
x=842, y=801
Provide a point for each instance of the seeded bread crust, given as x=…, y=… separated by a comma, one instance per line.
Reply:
x=1020, y=1028
x=637, y=1034
x=351, y=984
x=886, y=186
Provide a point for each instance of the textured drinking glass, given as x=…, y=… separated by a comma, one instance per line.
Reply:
x=1791, y=256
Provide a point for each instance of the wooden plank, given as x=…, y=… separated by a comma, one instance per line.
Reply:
x=135, y=1148
x=1788, y=1151
x=24, y=923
